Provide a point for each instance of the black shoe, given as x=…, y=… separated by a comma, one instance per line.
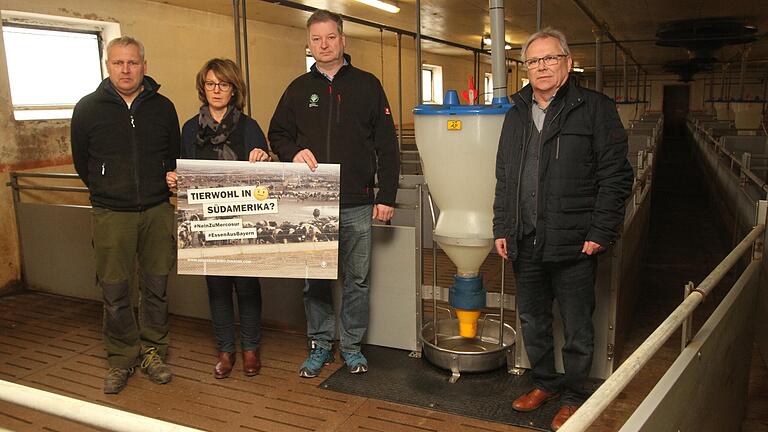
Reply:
x=116, y=380
x=154, y=367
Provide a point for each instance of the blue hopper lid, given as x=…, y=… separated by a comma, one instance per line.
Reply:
x=452, y=107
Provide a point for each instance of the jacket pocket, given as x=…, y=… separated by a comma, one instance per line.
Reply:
x=577, y=204
x=574, y=143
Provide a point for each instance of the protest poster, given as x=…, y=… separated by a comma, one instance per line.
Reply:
x=266, y=219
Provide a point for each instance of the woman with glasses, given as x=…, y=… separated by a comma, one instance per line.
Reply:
x=221, y=131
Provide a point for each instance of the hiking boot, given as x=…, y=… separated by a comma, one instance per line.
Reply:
x=318, y=357
x=152, y=365
x=356, y=362
x=116, y=380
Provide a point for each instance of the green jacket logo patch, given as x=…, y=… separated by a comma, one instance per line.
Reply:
x=313, y=100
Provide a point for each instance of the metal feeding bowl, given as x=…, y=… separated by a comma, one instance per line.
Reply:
x=459, y=354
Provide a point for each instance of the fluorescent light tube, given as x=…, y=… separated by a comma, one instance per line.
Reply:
x=381, y=5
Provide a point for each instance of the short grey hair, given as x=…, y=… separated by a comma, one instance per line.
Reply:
x=548, y=32
x=322, y=15
x=124, y=41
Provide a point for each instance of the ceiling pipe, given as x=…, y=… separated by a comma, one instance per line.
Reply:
x=538, y=15
x=236, y=19
x=498, y=55
x=247, y=68
x=580, y=4
x=417, y=38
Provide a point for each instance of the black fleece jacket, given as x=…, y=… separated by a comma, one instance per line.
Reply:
x=121, y=153
x=345, y=121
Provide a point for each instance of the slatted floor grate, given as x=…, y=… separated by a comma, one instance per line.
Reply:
x=54, y=343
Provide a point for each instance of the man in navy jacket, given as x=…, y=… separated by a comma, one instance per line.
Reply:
x=562, y=177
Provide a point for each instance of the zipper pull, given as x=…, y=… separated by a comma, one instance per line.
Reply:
x=133, y=125
x=102, y=169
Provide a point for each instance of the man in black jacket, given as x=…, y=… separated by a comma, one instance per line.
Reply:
x=337, y=113
x=125, y=137
x=562, y=177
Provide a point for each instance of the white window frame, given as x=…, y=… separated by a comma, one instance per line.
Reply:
x=104, y=30
x=308, y=59
x=436, y=84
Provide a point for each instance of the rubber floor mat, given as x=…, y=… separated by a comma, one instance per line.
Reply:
x=395, y=377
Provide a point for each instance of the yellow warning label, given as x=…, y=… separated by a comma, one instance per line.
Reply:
x=454, y=124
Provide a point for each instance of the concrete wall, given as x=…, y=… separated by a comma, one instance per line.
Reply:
x=177, y=42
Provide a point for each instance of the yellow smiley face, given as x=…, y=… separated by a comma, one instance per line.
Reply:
x=261, y=193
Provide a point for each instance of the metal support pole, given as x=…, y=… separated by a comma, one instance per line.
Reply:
x=615, y=82
x=236, y=19
x=740, y=94
x=637, y=83
x=538, y=15
x=501, y=303
x=598, y=59
x=400, y=92
x=625, y=91
x=434, y=270
x=247, y=69
x=722, y=82
x=498, y=54
x=419, y=271
x=687, y=326
x=419, y=95
x=645, y=88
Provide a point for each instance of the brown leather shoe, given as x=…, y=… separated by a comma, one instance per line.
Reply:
x=251, y=363
x=533, y=400
x=566, y=411
x=224, y=366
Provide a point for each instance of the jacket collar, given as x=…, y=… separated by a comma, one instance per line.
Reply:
x=344, y=67
x=108, y=91
x=568, y=92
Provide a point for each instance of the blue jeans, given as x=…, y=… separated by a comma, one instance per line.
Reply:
x=572, y=283
x=223, y=311
x=355, y=261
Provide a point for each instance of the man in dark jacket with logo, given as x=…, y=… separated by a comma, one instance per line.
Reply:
x=562, y=177
x=125, y=137
x=337, y=113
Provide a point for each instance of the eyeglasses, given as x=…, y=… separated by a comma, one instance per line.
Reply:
x=549, y=60
x=223, y=86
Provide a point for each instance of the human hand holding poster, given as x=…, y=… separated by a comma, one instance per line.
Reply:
x=257, y=219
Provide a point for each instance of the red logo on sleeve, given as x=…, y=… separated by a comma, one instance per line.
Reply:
x=386, y=111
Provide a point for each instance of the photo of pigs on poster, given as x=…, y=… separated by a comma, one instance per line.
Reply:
x=257, y=219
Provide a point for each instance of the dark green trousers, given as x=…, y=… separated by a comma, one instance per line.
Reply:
x=119, y=239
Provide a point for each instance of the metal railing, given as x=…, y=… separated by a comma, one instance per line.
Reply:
x=738, y=166
x=84, y=412
x=610, y=389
